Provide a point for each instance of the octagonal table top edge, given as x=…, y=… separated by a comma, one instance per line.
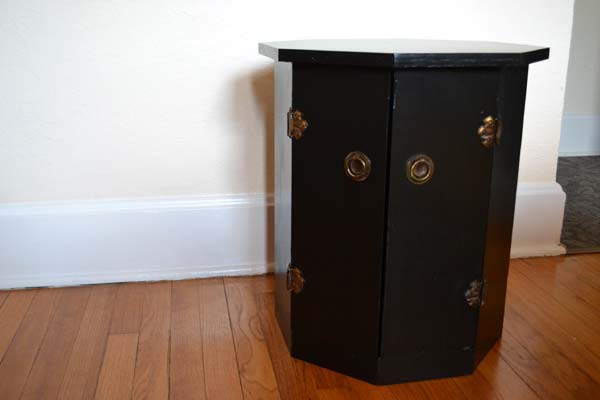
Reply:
x=404, y=53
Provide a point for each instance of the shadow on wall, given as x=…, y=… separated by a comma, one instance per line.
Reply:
x=257, y=111
x=263, y=88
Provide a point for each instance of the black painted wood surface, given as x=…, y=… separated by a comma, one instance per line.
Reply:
x=436, y=231
x=338, y=223
x=283, y=198
x=503, y=190
x=386, y=262
x=403, y=53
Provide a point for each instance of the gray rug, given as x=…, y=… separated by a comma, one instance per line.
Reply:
x=580, y=179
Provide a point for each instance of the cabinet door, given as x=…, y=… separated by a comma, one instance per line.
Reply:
x=436, y=230
x=338, y=222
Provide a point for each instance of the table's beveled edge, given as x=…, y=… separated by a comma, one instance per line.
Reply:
x=404, y=60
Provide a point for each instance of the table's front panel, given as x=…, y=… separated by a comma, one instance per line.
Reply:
x=338, y=220
x=436, y=224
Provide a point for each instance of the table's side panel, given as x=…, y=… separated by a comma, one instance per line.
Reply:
x=505, y=171
x=283, y=196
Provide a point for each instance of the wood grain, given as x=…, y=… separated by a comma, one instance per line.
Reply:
x=559, y=271
x=20, y=355
x=152, y=365
x=127, y=318
x=408, y=391
x=503, y=378
x=442, y=389
x=3, y=295
x=187, y=361
x=11, y=314
x=224, y=343
x=552, y=332
x=81, y=376
x=288, y=381
x=116, y=375
x=476, y=386
x=53, y=357
x=554, y=310
x=590, y=259
x=584, y=267
x=256, y=370
x=551, y=287
x=221, y=369
x=551, y=373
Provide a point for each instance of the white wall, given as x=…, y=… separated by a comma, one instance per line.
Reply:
x=135, y=99
x=581, y=123
x=583, y=78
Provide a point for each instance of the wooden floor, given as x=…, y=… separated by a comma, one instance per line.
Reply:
x=217, y=339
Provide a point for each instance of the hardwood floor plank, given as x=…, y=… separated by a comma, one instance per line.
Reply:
x=553, y=330
x=545, y=304
x=591, y=259
x=408, y=391
x=559, y=271
x=307, y=383
x=329, y=384
x=323, y=383
x=219, y=338
x=442, y=389
x=221, y=373
x=127, y=317
x=503, y=377
x=3, y=295
x=477, y=387
x=585, y=267
x=20, y=355
x=255, y=283
x=118, y=366
x=325, y=378
x=365, y=391
x=187, y=361
x=256, y=371
x=13, y=310
x=152, y=365
x=51, y=363
x=573, y=302
x=283, y=363
x=544, y=365
x=83, y=370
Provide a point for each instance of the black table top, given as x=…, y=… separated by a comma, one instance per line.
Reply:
x=404, y=53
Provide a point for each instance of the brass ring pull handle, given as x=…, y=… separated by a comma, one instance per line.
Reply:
x=357, y=166
x=419, y=169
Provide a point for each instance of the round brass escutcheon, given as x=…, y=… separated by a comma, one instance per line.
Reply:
x=419, y=169
x=357, y=166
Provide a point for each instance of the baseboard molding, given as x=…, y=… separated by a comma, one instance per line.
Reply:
x=539, y=213
x=62, y=244
x=126, y=275
x=580, y=136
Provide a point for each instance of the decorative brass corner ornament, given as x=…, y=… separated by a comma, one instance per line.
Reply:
x=296, y=124
x=357, y=166
x=475, y=293
x=295, y=280
x=489, y=131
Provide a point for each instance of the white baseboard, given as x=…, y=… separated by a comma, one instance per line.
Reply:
x=61, y=244
x=539, y=213
x=580, y=136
